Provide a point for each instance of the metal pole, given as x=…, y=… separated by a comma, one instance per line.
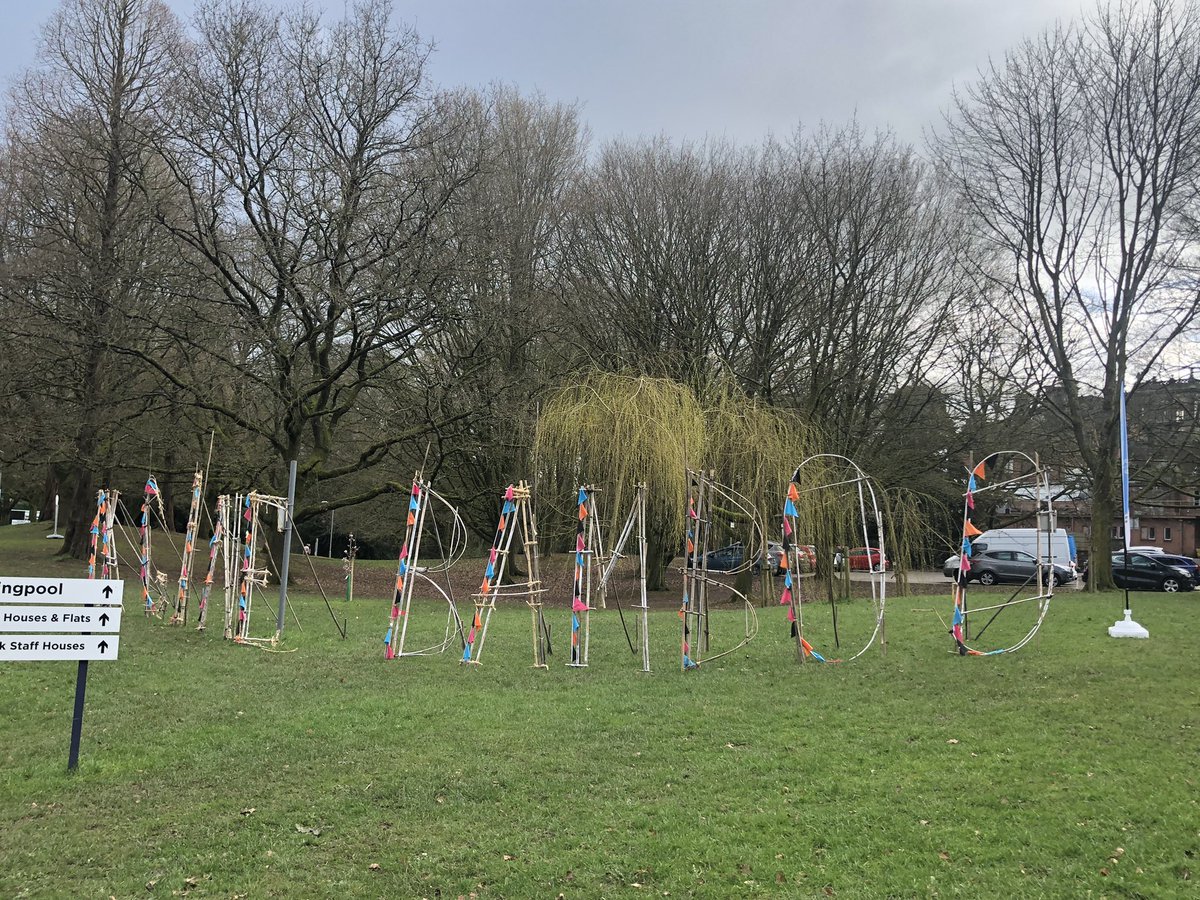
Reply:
x=287, y=548
x=331, y=534
x=54, y=535
x=77, y=717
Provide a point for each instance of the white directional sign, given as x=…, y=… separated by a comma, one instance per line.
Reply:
x=19, y=647
x=76, y=591
x=96, y=619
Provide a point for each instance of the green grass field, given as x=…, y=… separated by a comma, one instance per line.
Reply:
x=1066, y=770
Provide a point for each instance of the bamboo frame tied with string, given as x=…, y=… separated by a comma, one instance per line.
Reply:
x=409, y=572
x=250, y=574
x=695, y=614
x=829, y=499
x=220, y=526
x=634, y=526
x=151, y=506
x=516, y=515
x=103, y=544
x=179, y=614
x=1036, y=480
x=587, y=546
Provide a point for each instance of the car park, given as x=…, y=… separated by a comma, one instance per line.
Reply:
x=1005, y=567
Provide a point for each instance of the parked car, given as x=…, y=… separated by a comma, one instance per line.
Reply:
x=867, y=559
x=1005, y=567
x=805, y=556
x=730, y=558
x=727, y=559
x=1057, y=546
x=775, y=557
x=1150, y=571
x=1183, y=562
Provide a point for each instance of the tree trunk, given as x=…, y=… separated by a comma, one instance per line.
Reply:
x=166, y=487
x=657, y=562
x=81, y=501
x=1104, y=513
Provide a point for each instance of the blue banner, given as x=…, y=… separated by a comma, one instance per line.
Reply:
x=1125, y=472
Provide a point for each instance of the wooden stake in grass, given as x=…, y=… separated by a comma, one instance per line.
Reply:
x=516, y=515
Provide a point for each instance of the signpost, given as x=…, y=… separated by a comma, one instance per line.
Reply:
x=75, y=619
x=61, y=619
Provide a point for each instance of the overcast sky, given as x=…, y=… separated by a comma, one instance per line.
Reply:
x=694, y=68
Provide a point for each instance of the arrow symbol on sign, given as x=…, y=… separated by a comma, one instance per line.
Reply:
x=107, y=592
x=103, y=618
x=103, y=646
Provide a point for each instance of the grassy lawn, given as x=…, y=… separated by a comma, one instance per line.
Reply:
x=1069, y=769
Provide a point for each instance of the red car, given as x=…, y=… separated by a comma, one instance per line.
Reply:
x=867, y=559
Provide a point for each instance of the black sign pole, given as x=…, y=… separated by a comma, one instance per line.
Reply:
x=77, y=720
x=80, y=695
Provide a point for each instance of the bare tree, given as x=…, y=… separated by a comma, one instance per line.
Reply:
x=84, y=256
x=880, y=295
x=503, y=340
x=1076, y=157
x=654, y=258
x=316, y=161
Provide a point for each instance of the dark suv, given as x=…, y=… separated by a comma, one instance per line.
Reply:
x=1004, y=566
x=1150, y=571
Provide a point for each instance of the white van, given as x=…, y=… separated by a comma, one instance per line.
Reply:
x=1060, y=546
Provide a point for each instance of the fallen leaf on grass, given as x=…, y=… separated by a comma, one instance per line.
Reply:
x=248, y=811
x=944, y=856
x=1117, y=854
x=952, y=741
x=508, y=858
x=306, y=829
x=780, y=878
x=1104, y=872
x=374, y=867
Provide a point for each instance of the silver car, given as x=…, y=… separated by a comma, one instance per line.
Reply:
x=1005, y=567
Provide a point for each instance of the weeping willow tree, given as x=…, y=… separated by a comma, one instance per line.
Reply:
x=615, y=431
x=908, y=526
